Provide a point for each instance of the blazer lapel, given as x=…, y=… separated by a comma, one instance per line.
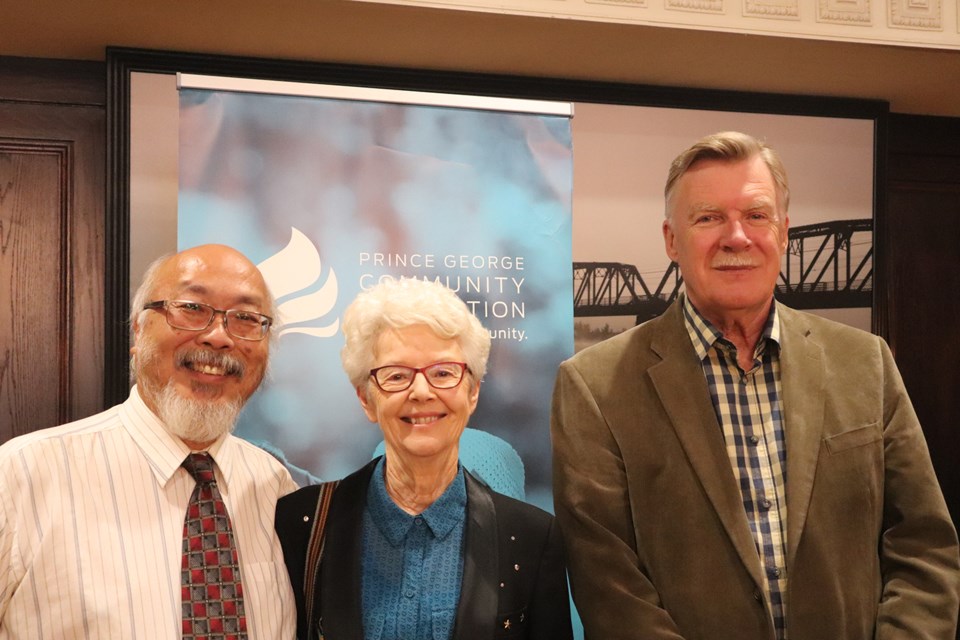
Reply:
x=340, y=577
x=477, y=609
x=682, y=389
x=801, y=369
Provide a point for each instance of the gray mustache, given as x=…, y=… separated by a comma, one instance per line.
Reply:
x=232, y=366
x=733, y=261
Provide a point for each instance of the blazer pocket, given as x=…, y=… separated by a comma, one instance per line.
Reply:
x=511, y=625
x=857, y=437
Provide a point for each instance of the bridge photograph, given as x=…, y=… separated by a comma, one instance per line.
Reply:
x=828, y=265
x=621, y=273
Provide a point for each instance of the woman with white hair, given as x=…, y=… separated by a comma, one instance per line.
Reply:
x=412, y=546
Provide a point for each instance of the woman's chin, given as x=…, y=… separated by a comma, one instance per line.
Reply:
x=422, y=447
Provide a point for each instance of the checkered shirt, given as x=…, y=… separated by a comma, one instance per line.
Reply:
x=748, y=408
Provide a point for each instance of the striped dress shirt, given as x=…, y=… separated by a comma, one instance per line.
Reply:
x=91, y=526
x=747, y=404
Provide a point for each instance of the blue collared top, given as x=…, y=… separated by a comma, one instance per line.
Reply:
x=412, y=565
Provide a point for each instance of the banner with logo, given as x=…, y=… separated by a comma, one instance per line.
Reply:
x=330, y=190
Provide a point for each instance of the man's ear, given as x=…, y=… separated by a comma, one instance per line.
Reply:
x=669, y=240
x=135, y=333
x=786, y=234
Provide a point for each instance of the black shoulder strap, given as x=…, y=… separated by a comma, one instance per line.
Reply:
x=311, y=579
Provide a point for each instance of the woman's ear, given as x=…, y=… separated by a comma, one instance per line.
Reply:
x=369, y=406
x=474, y=396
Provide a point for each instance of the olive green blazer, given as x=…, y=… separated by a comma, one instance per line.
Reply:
x=658, y=545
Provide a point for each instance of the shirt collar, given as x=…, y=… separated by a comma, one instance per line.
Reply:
x=704, y=335
x=165, y=452
x=393, y=522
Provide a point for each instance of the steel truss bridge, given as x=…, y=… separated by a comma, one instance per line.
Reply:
x=828, y=265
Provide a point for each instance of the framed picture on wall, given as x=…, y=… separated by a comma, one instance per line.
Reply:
x=622, y=275
x=622, y=137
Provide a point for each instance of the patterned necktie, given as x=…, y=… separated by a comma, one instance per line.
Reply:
x=211, y=593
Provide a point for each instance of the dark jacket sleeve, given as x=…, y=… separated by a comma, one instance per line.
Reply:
x=550, y=605
x=294, y=523
x=534, y=600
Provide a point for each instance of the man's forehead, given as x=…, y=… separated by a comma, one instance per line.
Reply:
x=704, y=186
x=231, y=278
x=241, y=293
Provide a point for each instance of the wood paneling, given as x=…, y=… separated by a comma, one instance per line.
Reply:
x=33, y=201
x=923, y=275
x=51, y=243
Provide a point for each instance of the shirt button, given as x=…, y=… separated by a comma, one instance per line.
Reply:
x=418, y=521
x=753, y=439
x=775, y=572
x=408, y=593
x=765, y=504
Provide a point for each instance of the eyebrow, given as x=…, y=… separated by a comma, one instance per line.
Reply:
x=198, y=289
x=698, y=207
x=761, y=202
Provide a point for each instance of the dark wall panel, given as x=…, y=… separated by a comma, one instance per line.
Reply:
x=51, y=243
x=923, y=275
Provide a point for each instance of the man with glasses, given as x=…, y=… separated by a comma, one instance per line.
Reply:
x=150, y=520
x=738, y=470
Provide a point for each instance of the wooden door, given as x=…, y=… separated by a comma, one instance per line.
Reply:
x=923, y=201
x=51, y=242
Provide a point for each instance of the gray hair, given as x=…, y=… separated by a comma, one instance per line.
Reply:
x=147, y=286
x=729, y=146
x=397, y=304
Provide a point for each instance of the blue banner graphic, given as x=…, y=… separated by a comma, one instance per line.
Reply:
x=328, y=196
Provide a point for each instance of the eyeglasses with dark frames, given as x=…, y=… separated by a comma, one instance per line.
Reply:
x=196, y=316
x=439, y=375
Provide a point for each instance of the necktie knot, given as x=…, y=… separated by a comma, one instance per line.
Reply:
x=200, y=466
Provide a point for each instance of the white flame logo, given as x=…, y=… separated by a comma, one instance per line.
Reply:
x=292, y=269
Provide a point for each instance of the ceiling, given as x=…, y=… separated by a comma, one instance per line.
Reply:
x=912, y=80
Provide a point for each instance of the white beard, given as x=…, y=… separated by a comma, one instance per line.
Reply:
x=195, y=420
x=190, y=419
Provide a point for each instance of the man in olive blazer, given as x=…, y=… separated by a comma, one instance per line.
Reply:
x=514, y=581
x=656, y=489
x=657, y=542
